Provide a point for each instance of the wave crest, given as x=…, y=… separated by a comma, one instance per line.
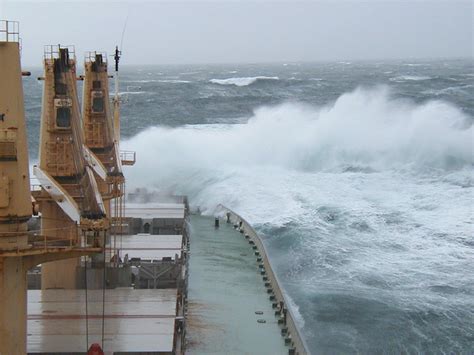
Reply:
x=244, y=81
x=402, y=78
x=364, y=128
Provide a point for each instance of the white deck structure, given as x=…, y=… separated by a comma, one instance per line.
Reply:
x=156, y=210
x=151, y=247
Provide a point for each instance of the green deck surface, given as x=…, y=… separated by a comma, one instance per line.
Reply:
x=224, y=292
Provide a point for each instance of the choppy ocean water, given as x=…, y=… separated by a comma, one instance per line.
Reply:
x=358, y=175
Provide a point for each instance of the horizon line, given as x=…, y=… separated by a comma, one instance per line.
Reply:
x=290, y=62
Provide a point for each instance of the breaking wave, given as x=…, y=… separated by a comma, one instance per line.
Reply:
x=122, y=93
x=365, y=130
x=242, y=81
x=409, y=78
x=174, y=81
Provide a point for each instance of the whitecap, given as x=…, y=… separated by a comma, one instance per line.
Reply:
x=190, y=73
x=244, y=81
x=141, y=81
x=402, y=78
x=129, y=93
x=174, y=81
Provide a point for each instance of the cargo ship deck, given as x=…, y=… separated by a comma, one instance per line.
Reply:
x=229, y=311
x=229, y=307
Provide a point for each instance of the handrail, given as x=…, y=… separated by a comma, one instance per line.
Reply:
x=9, y=31
x=298, y=341
x=128, y=157
x=38, y=240
x=90, y=57
x=52, y=51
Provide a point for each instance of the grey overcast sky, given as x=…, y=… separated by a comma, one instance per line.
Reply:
x=160, y=32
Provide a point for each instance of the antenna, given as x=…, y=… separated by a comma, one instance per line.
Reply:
x=123, y=30
x=117, y=55
x=116, y=100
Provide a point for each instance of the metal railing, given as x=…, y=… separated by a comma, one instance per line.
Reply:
x=46, y=241
x=9, y=31
x=297, y=341
x=52, y=51
x=39, y=241
x=90, y=57
x=128, y=157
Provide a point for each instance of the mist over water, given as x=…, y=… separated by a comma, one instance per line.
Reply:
x=359, y=177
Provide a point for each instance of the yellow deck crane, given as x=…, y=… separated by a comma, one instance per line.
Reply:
x=101, y=137
x=70, y=197
x=20, y=249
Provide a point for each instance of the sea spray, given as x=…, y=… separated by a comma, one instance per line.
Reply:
x=366, y=130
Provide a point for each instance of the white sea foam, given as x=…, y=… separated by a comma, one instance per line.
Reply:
x=174, y=81
x=244, y=81
x=130, y=93
x=295, y=310
x=402, y=78
x=140, y=81
x=270, y=160
x=366, y=128
x=190, y=73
